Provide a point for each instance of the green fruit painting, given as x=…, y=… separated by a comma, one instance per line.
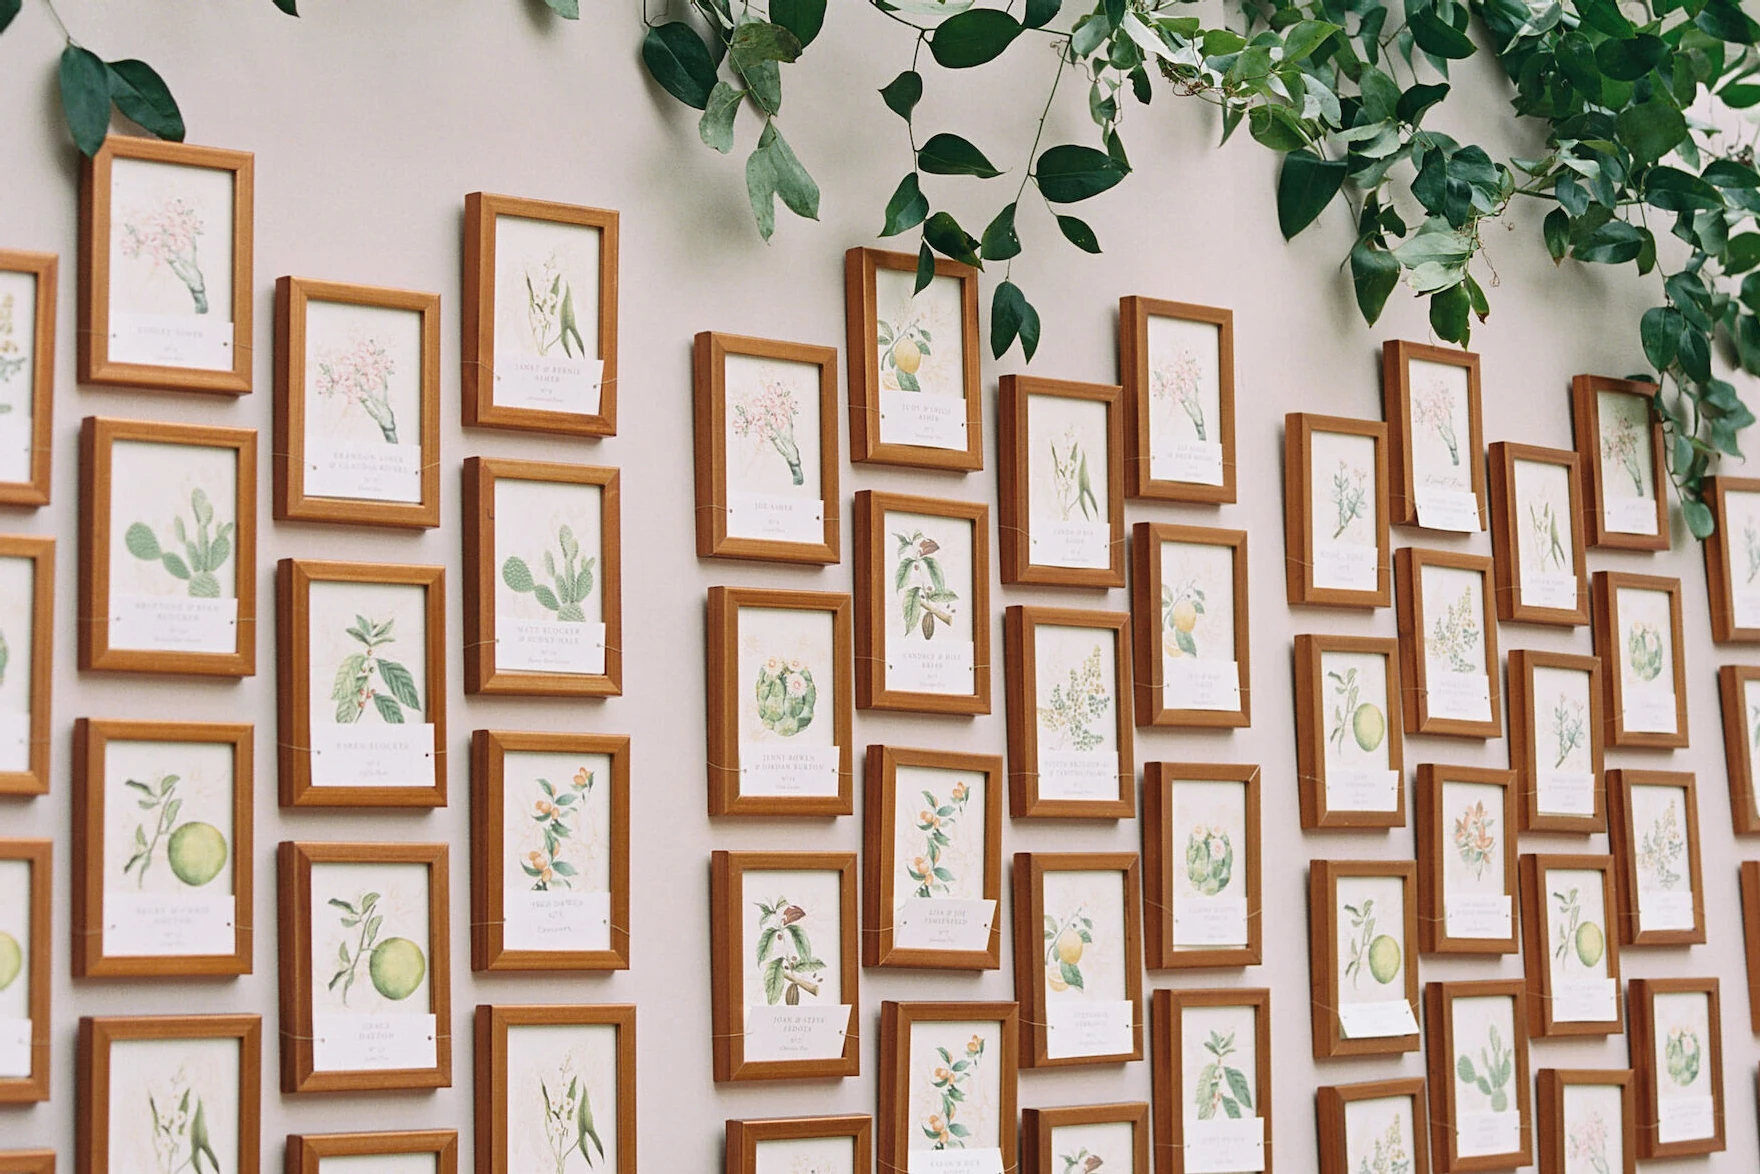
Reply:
x=1368, y=726
x=397, y=968
x=1385, y=958
x=196, y=853
x=11, y=960
x=1590, y=943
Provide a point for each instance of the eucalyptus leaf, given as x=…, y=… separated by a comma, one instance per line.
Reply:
x=1068, y=173
x=85, y=97
x=903, y=92
x=973, y=38
x=907, y=208
x=949, y=154
x=141, y=94
x=1306, y=185
x=678, y=60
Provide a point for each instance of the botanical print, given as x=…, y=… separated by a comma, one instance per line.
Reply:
x=1371, y=939
x=562, y=1098
x=1454, y=604
x=1076, y=675
x=918, y=336
x=1219, y=1064
x=1626, y=461
x=201, y=548
x=1659, y=831
x=793, y=926
x=556, y=816
x=18, y=336
x=17, y=651
x=1107, y=1146
x=772, y=414
x=174, y=1106
x=1578, y=916
x=546, y=307
x=1066, y=459
x=1476, y=836
x=955, y=1085
x=1544, y=540
x=168, y=816
x=1485, y=1090
x=170, y=238
x=1378, y=1136
x=806, y=1155
x=1210, y=863
x=172, y=526
x=547, y=551
x=1185, y=387
x=1561, y=713
x=1594, y=1129
x=786, y=675
x=938, y=835
x=1342, y=467
x=369, y=640
x=930, y=569
x=15, y=942
x=1490, y=1076
x=1354, y=705
x=369, y=674
x=364, y=363
x=1083, y=947
x=370, y=938
x=1646, y=659
x=1683, y=1045
x=1441, y=426
x=1197, y=602
x=1739, y=531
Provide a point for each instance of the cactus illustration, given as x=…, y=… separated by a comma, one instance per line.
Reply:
x=787, y=696
x=203, y=553
x=1498, y=1066
x=1683, y=1054
x=570, y=583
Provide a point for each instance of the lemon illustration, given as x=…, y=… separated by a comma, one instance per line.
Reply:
x=1385, y=958
x=1069, y=946
x=906, y=356
x=1170, y=646
x=1368, y=726
x=11, y=960
x=1185, y=615
x=197, y=852
x=1054, y=980
x=1590, y=943
x=397, y=967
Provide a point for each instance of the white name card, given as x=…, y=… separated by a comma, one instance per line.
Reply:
x=1347, y=567
x=1447, y=509
x=381, y=472
x=396, y=1040
x=1649, y=711
x=15, y=443
x=357, y=755
x=550, y=384
x=1584, y=1000
x=1088, y=1027
x=1376, y=1020
x=967, y=1161
x=1078, y=774
x=146, y=925
x=1665, y=908
x=1210, y=921
x=796, y=1033
x=943, y=666
x=1554, y=589
x=556, y=919
x=1202, y=684
x=776, y=519
x=173, y=623
x=196, y=341
x=788, y=770
x=15, y=1046
x=1484, y=1134
x=923, y=420
x=1457, y=696
x=550, y=646
x=1629, y=515
x=1566, y=792
x=1362, y=788
x=1225, y=1145
x=1685, y=1118
x=15, y=741
x=1081, y=544
x=1198, y=462
x=943, y=923
x=1746, y=605
x=1477, y=915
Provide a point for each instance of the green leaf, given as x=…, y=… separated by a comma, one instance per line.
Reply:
x=1414, y=102
x=945, y=236
x=1436, y=36
x=1306, y=185
x=903, y=92
x=1040, y=12
x=759, y=41
x=1374, y=273
x=1660, y=332
x=1698, y=518
x=1627, y=61
x=1556, y=228
x=1000, y=241
x=287, y=6
x=141, y=542
x=1276, y=127
x=1237, y=1083
x=85, y=97
x=1305, y=37
x=949, y=154
x=401, y=682
x=907, y=207
x=1079, y=234
x=925, y=272
x=390, y=712
x=1448, y=313
x=1651, y=129
x=566, y=9
x=715, y=128
x=803, y=18
x=141, y=94
x=677, y=58
x=773, y=170
x=1727, y=22
x=1605, y=16
x=1012, y=316
x=1614, y=243
x=1068, y=173
x=973, y=37
x=1674, y=190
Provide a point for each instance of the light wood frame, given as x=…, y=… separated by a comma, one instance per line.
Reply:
x=306, y=1151
x=1586, y=424
x=1439, y=1055
x=1750, y=888
x=1038, y=1128
x=294, y=861
x=1330, y=1042
x=744, y=1136
x=91, y=743
x=1299, y=543
x=1167, y=1082
x=1014, y=513
x=1537, y=945
x=492, y=1022
x=27, y=1162
x=1607, y=586
x=1133, y=367
x=1641, y=997
x=1738, y=752
x=1147, y=538
x=45, y=269
x=292, y=503
x=39, y=856
x=897, y=1020
x=97, y=1035
x=1409, y=563
x=95, y=363
x=34, y=779
x=725, y=692
x=489, y=951
x=97, y=438
x=1506, y=542
x=1550, y=1084
x=477, y=317
x=1624, y=839
x=1396, y=395
x=482, y=674
x=1020, y=625
x=1433, y=847
x=1162, y=855
x=1720, y=561
x=709, y=363
x=1331, y=1110
x=1310, y=652
x=727, y=952
x=860, y=307
x=881, y=798
x=874, y=597
x=1524, y=739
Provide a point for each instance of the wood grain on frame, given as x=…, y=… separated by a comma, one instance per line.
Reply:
x=1299, y=543
x=1627, y=843
x=744, y=1137
x=44, y=267
x=1439, y=1054
x=1015, y=443
x=1332, y=1105
x=38, y=857
x=1020, y=625
x=897, y=1020
x=34, y=779
x=1396, y=394
x=1167, y=1027
x=1738, y=746
x=1506, y=545
x=1310, y=652
x=306, y=1151
x=1163, y=856
x=1720, y=561
x=1750, y=886
x=491, y=1118
x=1147, y=539
x=1524, y=739
x=1133, y=368
x=27, y=1162
x=1549, y=1108
x=1538, y=936
x=1030, y=869
x=1605, y=598
x=1409, y=563
x=1434, y=845
x=1039, y=1129
x=1641, y=997
x=1586, y=422
x=1330, y=1042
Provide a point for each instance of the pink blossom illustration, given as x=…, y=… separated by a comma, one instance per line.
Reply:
x=1175, y=383
x=361, y=374
x=768, y=416
x=166, y=235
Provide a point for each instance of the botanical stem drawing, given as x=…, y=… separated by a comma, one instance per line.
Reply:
x=570, y=583
x=1362, y=720
x=902, y=351
x=1389, y=1155
x=935, y=821
x=784, y=955
x=1751, y=548
x=1683, y=1054
x=361, y=375
x=568, y=1119
x=1181, y=605
x=950, y=1078
x=197, y=850
x=395, y=966
x=1350, y=495
x=1575, y=935
x=1074, y=703
x=202, y=555
x=1475, y=838
x=1433, y=407
x=1221, y=1085
x=1174, y=382
x=1081, y=1162
x=1586, y=1141
x=1620, y=444
x=1497, y=1064
x=1455, y=634
x=1209, y=859
x=1069, y=479
x=920, y=585
x=13, y=358
x=786, y=695
x=180, y=1131
x=1065, y=940
x=358, y=914
x=553, y=812
x=353, y=687
x=550, y=310
x=768, y=416
x=5, y=656
x=167, y=236
x=1568, y=727
x=1660, y=850
x=1644, y=649
x=1543, y=528
x=1378, y=954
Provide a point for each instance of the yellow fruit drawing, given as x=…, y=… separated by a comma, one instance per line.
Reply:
x=1054, y=980
x=1590, y=943
x=11, y=960
x=1069, y=946
x=1185, y=615
x=906, y=355
x=196, y=853
x=1368, y=726
x=397, y=968
x=1385, y=958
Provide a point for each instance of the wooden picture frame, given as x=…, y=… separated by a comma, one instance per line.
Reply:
x=1443, y=698
x=355, y=352
x=1360, y=781
x=1462, y=1140
x=1202, y=864
x=306, y=1152
x=1555, y=740
x=1094, y=1129
x=1191, y=357
x=27, y=617
x=25, y=917
x=527, y=913
x=27, y=1162
x=1653, y=825
x=1343, y=949
x=944, y=922
x=518, y=1046
x=1466, y=840
x=1427, y=424
x=538, y=392
x=753, y=767
x=391, y=1047
x=1629, y=632
x=158, y=342
x=137, y=622
x=1179, y=682
x=1663, y=1013
x=409, y=760
x=904, y=574
x=1081, y=785
x=148, y=774
x=1738, y=687
x=747, y=1139
x=768, y=518
x=800, y=1033
x=116, y=1053
x=887, y=426
x=1053, y=528
x=1345, y=559
x=1058, y=916
x=514, y=647
x=1750, y=888
x=1557, y=1113
x=1614, y=518
x=1729, y=580
x=1534, y=583
x=1176, y=1058
x=918, y=1038
x=27, y=375
x=1380, y=1131
x=1573, y=975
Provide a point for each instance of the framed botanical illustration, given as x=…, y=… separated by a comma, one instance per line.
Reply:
x=27, y=374
x=1466, y=860
x=1738, y=686
x=1078, y=957
x=1586, y=1121
x=432, y=1151
x=914, y=396
x=27, y=1162
x=1653, y=821
x=538, y=278
x=1069, y=713
x=780, y=702
x=1350, y=746
x=947, y=1083
x=1060, y=517
x=923, y=598
x=932, y=859
x=1624, y=476
x=554, y=1082
x=27, y=634
x=1750, y=885
x=1435, y=436
x=25, y=890
x=543, y=582
x=1335, y=511
x=1177, y=364
x=1536, y=504
x=377, y=634
x=1448, y=643
x=160, y=1092
x=766, y=430
x=1376, y=1127
x=1211, y=1075
x=814, y=1145
x=783, y=964
x=357, y=404
x=365, y=993
x=162, y=856
x=549, y=851
x=1555, y=740
x=1189, y=599
x=1732, y=558
x=1569, y=946
x=1677, y=1053
x=1363, y=957
x=1638, y=629
x=1202, y=903
x=1080, y=1139
x=1476, y=1052
x=168, y=548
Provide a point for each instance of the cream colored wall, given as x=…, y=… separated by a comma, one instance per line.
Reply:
x=371, y=121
